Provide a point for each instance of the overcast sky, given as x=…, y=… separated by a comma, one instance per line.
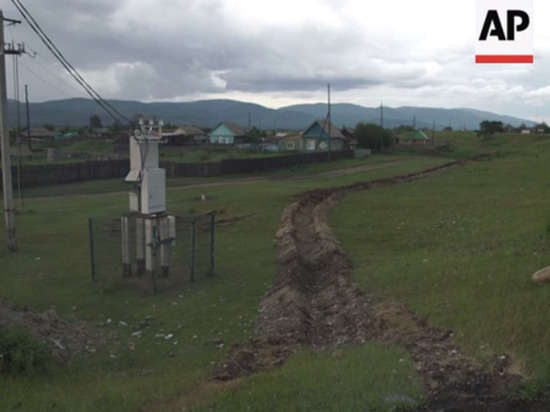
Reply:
x=279, y=52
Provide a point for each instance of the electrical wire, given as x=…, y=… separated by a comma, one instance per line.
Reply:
x=61, y=77
x=62, y=74
x=112, y=111
x=47, y=82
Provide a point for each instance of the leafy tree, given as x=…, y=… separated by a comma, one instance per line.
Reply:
x=447, y=129
x=404, y=129
x=115, y=128
x=372, y=136
x=542, y=126
x=49, y=127
x=169, y=125
x=95, y=122
x=254, y=134
x=488, y=128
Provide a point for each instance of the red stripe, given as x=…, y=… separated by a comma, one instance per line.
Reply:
x=504, y=58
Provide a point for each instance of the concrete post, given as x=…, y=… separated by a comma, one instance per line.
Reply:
x=126, y=265
x=140, y=245
x=149, y=246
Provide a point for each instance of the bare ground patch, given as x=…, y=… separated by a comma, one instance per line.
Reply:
x=66, y=338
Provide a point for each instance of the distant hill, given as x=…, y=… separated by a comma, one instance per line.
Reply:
x=208, y=113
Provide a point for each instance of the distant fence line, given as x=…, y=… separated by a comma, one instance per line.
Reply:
x=52, y=174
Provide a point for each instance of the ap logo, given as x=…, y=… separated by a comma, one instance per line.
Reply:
x=504, y=31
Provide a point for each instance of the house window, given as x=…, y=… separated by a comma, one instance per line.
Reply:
x=311, y=145
x=220, y=140
x=290, y=146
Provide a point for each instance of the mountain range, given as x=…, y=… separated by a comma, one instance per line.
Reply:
x=208, y=113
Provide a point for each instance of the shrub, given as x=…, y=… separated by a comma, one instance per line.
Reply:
x=21, y=353
x=372, y=136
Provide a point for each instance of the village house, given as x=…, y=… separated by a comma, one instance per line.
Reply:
x=418, y=137
x=350, y=142
x=290, y=142
x=39, y=133
x=227, y=133
x=319, y=135
x=186, y=136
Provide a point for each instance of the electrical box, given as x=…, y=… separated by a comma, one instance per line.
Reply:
x=149, y=194
x=153, y=191
x=144, y=154
x=134, y=202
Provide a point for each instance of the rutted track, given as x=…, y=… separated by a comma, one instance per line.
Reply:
x=313, y=302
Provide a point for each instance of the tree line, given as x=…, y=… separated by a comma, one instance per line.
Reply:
x=489, y=128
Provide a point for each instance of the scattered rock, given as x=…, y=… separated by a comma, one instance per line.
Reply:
x=542, y=276
x=400, y=399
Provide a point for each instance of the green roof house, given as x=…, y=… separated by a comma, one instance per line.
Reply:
x=420, y=137
x=417, y=138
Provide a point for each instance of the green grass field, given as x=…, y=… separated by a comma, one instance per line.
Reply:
x=458, y=248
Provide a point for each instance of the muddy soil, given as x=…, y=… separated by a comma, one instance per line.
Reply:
x=313, y=302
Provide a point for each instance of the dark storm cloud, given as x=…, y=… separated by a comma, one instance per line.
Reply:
x=163, y=56
x=184, y=49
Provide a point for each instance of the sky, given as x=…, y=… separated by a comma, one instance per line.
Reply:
x=277, y=53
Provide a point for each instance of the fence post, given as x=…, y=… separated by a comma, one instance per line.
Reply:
x=92, y=257
x=193, y=248
x=212, y=242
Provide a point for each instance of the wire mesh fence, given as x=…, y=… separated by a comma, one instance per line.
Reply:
x=152, y=251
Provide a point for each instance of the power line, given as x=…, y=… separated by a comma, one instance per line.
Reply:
x=59, y=56
x=113, y=112
x=50, y=84
x=62, y=74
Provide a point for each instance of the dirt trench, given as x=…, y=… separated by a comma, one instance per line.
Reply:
x=313, y=302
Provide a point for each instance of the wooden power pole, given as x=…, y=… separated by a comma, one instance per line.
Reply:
x=329, y=125
x=7, y=184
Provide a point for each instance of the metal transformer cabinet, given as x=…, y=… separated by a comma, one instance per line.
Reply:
x=154, y=229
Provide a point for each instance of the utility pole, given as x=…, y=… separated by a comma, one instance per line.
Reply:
x=7, y=184
x=28, y=119
x=382, y=127
x=329, y=125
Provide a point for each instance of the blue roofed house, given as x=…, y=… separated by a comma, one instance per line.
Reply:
x=316, y=137
x=227, y=133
